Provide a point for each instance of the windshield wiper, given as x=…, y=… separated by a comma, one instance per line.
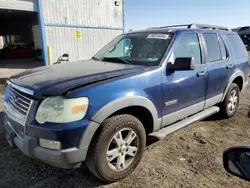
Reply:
x=122, y=60
x=95, y=58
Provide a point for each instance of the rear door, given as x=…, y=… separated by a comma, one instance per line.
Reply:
x=220, y=66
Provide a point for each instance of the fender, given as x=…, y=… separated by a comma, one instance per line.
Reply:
x=111, y=108
x=129, y=101
x=237, y=73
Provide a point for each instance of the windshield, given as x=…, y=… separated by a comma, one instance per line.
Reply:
x=136, y=48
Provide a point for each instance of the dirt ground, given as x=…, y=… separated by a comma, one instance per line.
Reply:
x=191, y=157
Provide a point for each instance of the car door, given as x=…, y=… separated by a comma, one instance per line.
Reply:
x=219, y=65
x=184, y=91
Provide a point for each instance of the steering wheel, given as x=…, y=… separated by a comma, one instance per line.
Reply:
x=153, y=55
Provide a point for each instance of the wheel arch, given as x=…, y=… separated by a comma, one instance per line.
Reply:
x=114, y=108
x=237, y=77
x=127, y=103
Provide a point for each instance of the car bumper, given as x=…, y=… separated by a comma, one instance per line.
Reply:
x=67, y=158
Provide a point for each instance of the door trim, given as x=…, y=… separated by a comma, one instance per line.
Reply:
x=169, y=103
x=213, y=100
x=183, y=113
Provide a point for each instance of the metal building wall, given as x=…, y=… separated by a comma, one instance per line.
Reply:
x=98, y=21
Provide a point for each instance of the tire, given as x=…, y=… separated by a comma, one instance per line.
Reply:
x=101, y=163
x=225, y=110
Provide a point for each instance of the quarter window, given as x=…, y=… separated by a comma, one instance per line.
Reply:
x=223, y=48
x=188, y=46
x=238, y=46
x=213, y=47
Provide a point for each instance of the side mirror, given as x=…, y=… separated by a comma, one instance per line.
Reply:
x=236, y=161
x=64, y=57
x=181, y=64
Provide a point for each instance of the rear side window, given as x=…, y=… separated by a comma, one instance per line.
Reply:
x=236, y=43
x=213, y=47
x=223, y=48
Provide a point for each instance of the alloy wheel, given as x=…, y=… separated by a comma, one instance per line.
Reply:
x=232, y=102
x=122, y=149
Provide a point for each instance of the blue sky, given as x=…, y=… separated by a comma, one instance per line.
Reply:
x=140, y=14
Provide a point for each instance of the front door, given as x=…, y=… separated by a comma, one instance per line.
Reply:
x=184, y=91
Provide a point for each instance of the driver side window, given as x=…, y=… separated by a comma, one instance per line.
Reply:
x=188, y=46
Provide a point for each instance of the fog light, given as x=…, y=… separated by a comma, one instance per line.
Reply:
x=55, y=145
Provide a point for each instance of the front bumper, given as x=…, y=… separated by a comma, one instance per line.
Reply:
x=67, y=158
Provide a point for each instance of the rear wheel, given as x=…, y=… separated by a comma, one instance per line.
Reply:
x=230, y=104
x=117, y=148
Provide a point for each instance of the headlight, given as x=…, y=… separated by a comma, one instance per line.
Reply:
x=60, y=110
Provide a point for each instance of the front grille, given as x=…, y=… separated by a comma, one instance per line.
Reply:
x=19, y=101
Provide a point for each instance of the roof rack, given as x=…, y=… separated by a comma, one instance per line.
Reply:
x=196, y=26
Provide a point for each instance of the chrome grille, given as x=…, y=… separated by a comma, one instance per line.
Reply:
x=19, y=101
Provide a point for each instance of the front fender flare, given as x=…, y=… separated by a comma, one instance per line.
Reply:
x=129, y=101
x=111, y=108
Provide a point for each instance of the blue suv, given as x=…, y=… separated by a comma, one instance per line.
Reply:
x=150, y=82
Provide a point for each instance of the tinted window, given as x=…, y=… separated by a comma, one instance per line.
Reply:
x=188, y=46
x=213, y=48
x=223, y=48
x=237, y=45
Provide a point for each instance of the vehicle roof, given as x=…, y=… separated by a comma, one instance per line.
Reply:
x=175, y=30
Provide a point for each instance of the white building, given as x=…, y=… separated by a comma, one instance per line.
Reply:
x=75, y=27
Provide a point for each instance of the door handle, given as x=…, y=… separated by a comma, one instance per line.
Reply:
x=230, y=66
x=202, y=73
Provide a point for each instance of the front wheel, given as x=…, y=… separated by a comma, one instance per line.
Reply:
x=230, y=104
x=117, y=148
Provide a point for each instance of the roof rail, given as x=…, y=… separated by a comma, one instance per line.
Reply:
x=205, y=26
x=169, y=26
x=196, y=26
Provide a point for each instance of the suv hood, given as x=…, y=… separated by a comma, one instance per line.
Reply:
x=58, y=79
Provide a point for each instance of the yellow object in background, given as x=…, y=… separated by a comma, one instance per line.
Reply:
x=78, y=35
x=49, y=55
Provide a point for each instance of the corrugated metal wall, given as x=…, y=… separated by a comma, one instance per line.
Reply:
x=63, y=40
x=104, y=19
x=83, y=12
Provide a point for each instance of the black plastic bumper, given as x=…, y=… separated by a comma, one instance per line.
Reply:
x=69, y=158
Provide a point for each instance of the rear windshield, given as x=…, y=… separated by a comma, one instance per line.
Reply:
x=238, y=46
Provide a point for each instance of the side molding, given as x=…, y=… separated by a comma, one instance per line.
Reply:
x=213, y=101
x=183, y=113
x=236, y=74
x=129, y=101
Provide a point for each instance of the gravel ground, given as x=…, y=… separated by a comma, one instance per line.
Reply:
x=191, y=157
